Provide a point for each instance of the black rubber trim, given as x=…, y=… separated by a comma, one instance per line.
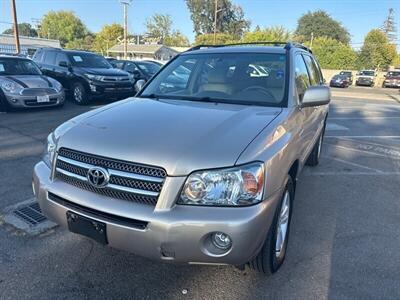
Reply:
x=47, y=80
x=17, y=81
x=138, y=224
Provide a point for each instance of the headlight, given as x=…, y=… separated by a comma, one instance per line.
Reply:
x=226, y=187
x=50, y=150
x=57, y=86
x=11, y=87
x=94, y=77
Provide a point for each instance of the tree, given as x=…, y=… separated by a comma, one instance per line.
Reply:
x=389, y=27
x=220, y=38
x=176, y=39
x=85, y=43
x=62, y=25
x=333, y=54
x=320, y=23
x=376, y=52
x=24, y=29
x=158, y=27
x=107, y=37
x=274, y=33
x=230, y=17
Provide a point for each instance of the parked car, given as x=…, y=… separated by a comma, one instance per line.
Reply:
x=349, y=76
x=204, y=173
x=84, y=75
x=366, y=78
x=339, y=81
x=23, y=85
x=392, y=79
x=141, y=70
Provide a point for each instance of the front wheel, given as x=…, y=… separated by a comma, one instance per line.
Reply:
x=273, y=253
x=79, y=94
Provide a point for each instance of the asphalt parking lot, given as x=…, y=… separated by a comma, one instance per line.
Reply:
x=343, y=244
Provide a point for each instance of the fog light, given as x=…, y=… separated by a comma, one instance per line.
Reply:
x=14, y=100
x=221, y=240
x=92, y=88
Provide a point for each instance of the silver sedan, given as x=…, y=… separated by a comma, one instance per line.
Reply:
x=22, y=85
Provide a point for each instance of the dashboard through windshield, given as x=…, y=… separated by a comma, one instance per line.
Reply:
x=242, y=78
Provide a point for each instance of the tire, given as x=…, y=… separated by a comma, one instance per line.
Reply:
x=269, y=259
x=4, y=106
x=313, y=158
x=79, y=94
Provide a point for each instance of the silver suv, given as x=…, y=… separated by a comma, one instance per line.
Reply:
x=201, y=166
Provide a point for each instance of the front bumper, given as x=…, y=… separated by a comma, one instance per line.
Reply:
x=19, y=101
x=366, y=82
x=118, y=90
x=174, y=233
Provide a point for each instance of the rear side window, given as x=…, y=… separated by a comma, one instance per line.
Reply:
x=49, y=58
x=313, y=69
x=302, y=77
x=61, y=57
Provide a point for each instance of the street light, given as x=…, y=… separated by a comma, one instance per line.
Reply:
x=125, y=3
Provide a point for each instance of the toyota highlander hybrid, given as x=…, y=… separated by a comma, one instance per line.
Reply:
x=203, y=172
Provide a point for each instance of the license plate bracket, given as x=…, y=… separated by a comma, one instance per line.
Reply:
x=88, y=227
x=43, y=99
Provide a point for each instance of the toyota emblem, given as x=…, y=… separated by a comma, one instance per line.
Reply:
x=98, y=177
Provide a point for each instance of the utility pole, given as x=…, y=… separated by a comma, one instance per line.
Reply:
x=125, y=3
x=16, y=33
x=216, y=11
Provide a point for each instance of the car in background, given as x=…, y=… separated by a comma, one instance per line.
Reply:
x=392, y=79
x=366, y=78
x=140, y=70
x=349, y=76
x=339, y=80
x=22, y=85
x=84, y=75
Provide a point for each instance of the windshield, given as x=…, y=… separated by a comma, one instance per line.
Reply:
x=345, y=73
x=393, y=74
x=10, y=66
x=148, y=68
x=241, y=78
x=88, y=60
x=367, y=73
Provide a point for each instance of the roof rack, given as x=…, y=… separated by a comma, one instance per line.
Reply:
x=286, y=45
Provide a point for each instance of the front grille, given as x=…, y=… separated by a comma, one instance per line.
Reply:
x=112, y=163
x=115, y=79
x=34, y=102
x=38, y=91
x=127, y=181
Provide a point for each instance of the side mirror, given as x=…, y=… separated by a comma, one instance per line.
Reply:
x=136, y=74
x=63, y=64
x=316, y=95
x=139, y=84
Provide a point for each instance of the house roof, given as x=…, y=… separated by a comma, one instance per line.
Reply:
x=8, y=39
x=133, y=48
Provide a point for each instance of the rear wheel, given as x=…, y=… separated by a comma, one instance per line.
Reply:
x=273, y=253
x=4, y=106
x=79, y=94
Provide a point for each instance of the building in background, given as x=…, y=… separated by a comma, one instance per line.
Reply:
x=147, y=51
x=28, y=44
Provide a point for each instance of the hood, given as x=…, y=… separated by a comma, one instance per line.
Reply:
x=179, y=136
x=32, y=81
x=103, y=71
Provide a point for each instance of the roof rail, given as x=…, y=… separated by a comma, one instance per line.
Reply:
x=286, y=45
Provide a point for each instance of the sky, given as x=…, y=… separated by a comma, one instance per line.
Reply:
x=358, y=16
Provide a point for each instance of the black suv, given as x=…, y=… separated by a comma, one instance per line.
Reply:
x=84, y=74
